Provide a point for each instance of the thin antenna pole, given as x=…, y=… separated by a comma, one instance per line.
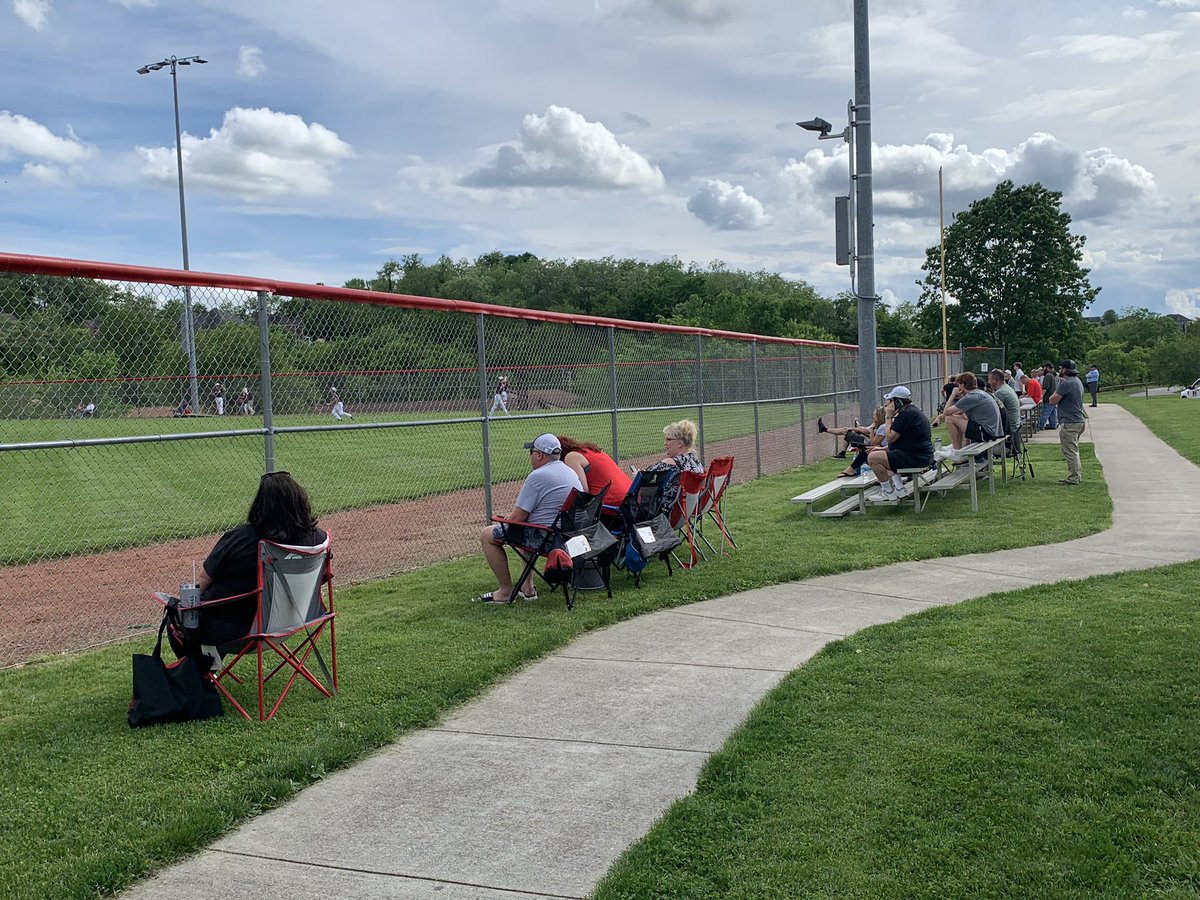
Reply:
x=942, y=243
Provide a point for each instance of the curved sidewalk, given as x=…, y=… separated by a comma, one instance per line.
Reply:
x=536, y=788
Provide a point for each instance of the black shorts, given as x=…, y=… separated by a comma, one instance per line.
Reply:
x=903, y=459
x=976, y=433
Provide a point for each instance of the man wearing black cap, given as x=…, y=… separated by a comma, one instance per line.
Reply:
x=538, y=503
x=1068, y=400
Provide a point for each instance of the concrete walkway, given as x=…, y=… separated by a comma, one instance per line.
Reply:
x=537, y=787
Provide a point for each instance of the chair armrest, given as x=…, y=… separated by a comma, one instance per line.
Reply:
x=503, y=521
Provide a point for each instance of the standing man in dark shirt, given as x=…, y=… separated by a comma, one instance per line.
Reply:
x=1068, y=400
x=909, y=443
x=1049, y=383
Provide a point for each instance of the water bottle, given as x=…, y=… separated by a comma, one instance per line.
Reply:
x=864, y=469
x=189, y=599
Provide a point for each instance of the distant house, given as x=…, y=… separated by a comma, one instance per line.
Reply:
x=1183, y=322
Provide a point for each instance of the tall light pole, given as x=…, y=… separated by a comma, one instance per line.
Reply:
x=189, y=325
x=859, y=219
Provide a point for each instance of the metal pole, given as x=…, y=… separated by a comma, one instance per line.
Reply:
x=868, y=386
x=612, y=387
x=700, y=396
x=481, y=353
x=803, y=420
x=942, y=264
x=754, y=389
x=189, y=325
x=834, y=381
x=264, y=356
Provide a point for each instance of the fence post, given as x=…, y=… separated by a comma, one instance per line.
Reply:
x=700, y=398
x=612, y=386
x=834, y=379
x=754, y=390
x=803, y=418
x=268, y=408
x=481, y=351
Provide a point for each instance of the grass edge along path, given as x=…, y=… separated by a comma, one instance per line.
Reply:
x=1039, y=743
x=90, y=806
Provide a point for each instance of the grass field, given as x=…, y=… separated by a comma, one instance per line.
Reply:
x=90, y=806
x=83, y=499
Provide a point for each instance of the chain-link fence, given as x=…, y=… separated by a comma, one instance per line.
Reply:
x=128, y=441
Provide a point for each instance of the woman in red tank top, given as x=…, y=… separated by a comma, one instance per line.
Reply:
x=595, y=469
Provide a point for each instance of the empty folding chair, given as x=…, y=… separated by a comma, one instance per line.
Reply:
x=712, y=500
x=687, y=515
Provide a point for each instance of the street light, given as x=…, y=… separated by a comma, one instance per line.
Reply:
x=855, y=214
x=189, y=327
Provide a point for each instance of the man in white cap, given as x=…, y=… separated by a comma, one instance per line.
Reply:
x=538, y=503
x=909, y=443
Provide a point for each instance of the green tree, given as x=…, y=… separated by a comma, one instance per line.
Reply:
x=1015, y=269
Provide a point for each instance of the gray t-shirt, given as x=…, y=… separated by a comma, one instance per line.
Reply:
x=981, y=408
x=1012, y=406
x=544, y=491
x=1070, y=406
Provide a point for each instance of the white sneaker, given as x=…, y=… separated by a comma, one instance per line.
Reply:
x=943, y=453
x=888, y=494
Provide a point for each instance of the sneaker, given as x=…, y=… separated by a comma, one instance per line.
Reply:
x=944, y=453
x=821, y=426
x=856, y=421
x=841, y=454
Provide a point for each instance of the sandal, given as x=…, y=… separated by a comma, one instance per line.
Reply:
x=521, y=595
x=846, y=474
x=490, y=597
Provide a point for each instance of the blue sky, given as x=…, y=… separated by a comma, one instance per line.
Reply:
x=323, y=139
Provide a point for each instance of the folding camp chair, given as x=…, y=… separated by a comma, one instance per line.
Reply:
x=1017, y=450
x=577, y=532
x=687, y=515
x=289, y=606
x=712, y=500
x=645, y=530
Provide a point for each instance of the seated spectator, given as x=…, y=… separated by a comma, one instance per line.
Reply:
x=595, y=469
x=678, y=438
x=856, y=436
x=909, y=444
x=1006, y=398
x=541, y=497
x=1033, y=392
x=89, y=410
x=280, y=512
x=878, y=438
x=971, y=414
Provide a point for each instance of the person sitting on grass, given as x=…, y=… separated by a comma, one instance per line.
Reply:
x=909, y=444
x=856, y=436
x=541, y=497
x=878, y=438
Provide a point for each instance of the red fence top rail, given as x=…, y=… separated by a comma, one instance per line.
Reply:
x=80, y=268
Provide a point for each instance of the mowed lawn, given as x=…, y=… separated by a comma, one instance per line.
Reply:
x=1040, y=743
x=90, y=806
x=83, y=499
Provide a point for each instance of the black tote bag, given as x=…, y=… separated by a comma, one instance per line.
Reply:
x=163, y=693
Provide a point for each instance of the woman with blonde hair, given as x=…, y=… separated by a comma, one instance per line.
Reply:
x=678, y=440
x=877, y=439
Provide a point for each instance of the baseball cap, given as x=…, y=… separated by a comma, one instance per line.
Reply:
x=898, y=393
x=544, y=443
x=1068, y=364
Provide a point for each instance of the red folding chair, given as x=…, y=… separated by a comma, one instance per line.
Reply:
x=686, y=513
x=294, y=601
x=712, y=500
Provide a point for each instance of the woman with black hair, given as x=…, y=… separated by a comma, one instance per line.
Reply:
x=280, y=513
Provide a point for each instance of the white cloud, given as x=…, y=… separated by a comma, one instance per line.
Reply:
x=32, y=12
x=700, y=12
x=21, y=136
x=563, y=149
x=1186, y=302
x=1094, y=182
x=726, y=207
x=1118, y=48
x=255, y=154
x=250, y=63
x=136, y=4
x=50, y=175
